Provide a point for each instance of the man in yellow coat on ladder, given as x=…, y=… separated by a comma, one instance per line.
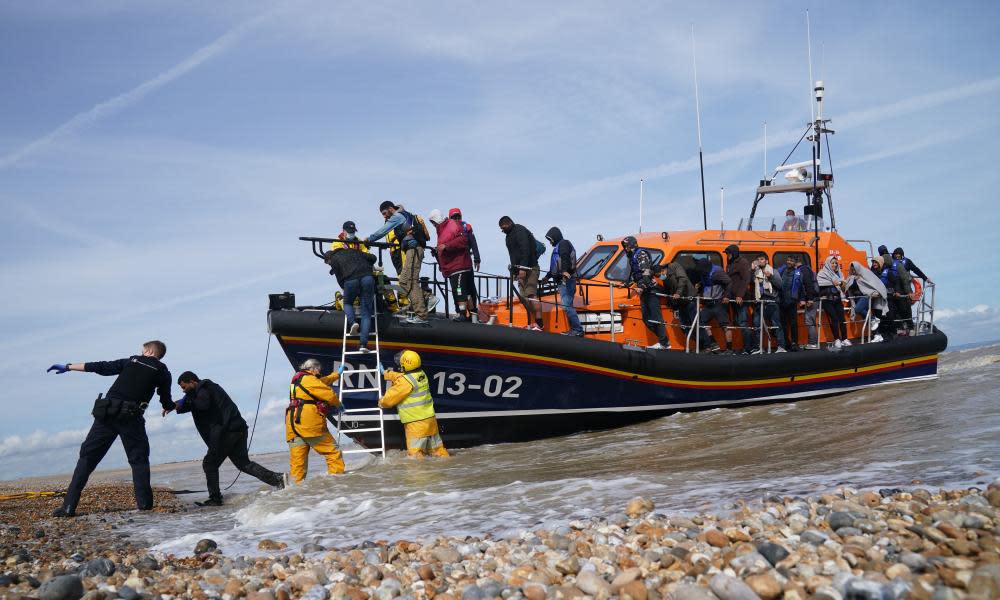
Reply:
x=310, y=397
x=410, y=393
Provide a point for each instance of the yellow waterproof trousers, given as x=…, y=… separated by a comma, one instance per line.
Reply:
x=423, y=438
x=298, y=449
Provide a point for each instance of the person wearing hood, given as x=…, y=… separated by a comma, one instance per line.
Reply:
x=562, y=270
x=679, y=290
x=524, y=250
x=866, y=292
x=905, y=269
x=831, y=291
x=641, y=274
x=224, y=431
x=738, y=269
x=712, y=285
x=353, y=269
x=452, y=252
x=310, y=399
x=766, y=293
x=893, y=288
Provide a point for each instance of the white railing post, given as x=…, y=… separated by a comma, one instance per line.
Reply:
x=611, y=308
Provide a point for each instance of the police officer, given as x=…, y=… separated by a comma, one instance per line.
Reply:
x=224, y=431
x=119, y=413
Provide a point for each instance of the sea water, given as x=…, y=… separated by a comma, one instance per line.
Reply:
x=939, y=433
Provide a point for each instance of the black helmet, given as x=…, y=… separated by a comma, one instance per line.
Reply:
x=732, y=250
x=629, y=242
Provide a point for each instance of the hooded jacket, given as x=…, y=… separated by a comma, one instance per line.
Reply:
x=347, y=264
x=213, y=411
x=452, y=247
x=521, y=247
x=714, y=280
x=676, y=281
x=563, y=254
x=908, y=264
x=738, y=270
x=869, y=284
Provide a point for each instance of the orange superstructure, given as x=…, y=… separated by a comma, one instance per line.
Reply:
x=605, y=304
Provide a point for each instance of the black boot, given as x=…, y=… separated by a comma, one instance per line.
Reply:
x=210, y=502
x=64, y=512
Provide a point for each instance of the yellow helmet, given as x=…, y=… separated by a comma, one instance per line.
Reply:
x=407, y=360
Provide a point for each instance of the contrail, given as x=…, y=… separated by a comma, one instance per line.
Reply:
x=118, y=103
x=748, y=148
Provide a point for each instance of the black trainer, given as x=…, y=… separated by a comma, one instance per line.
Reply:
x=210, y=502
x=63, y=512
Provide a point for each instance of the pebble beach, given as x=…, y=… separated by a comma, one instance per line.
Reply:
x=877, y=544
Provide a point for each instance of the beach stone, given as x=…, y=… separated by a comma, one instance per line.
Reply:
x=838, y=520
x=772, y=552
x=316, y=592
x=639, y=506
x=127, y=593
x=233, y=587
x=634, y=590
x=846, y=532
x=727, y=587
x=690, y=591
x=6, y=579
x=814, y=536
x=765, y=586
x=862, y=589
x=825, y=593
x=534, y=591
x=147, y=563
x=373, y=557
x=592, y=584
x=269, y=544
x=624, y=577
x=985, y=582
x=63, y=587
x=716, y=538
x=474, y=592
x=915, y=562
x=205, y=545
x=897, y=570
x=993, y=496
x=945, y=593
x=426, y=572
x=261, y=595
x=446, y=554
x=99, y=566
x=311, y=547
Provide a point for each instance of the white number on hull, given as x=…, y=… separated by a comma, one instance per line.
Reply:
x=455, y=384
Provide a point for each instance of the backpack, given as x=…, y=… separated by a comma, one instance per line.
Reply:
x=415, y=226
x=539, y=249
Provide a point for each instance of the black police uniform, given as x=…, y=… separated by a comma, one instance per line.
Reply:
x=224, y=430
x=119, y=414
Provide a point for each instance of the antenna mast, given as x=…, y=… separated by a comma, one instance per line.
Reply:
x=809, y=51
x=697, y=110
x=641, y=190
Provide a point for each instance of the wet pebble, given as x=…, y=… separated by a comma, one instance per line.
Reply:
x=99, y=566
x=62, y=587
x=205, y=545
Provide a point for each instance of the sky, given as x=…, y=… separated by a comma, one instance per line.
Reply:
x=159, y=160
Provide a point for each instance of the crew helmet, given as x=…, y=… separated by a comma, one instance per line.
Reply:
x=630, y=243
x=407, y=360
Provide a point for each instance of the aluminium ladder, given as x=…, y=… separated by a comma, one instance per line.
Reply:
x=341, y=391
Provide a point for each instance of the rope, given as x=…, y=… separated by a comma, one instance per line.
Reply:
x=257, y=413
x=24, y=495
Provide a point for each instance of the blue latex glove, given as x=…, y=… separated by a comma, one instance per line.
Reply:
x=340, y=369
x=58, y=368
x=381, y=369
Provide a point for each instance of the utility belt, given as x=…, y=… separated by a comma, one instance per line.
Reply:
x=113, y=407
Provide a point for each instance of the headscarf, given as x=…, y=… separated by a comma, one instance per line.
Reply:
x=870, y=285
x=762, y=278
x=828, y=276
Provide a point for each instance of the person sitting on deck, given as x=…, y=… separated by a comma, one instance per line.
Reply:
x=712, y=287
x=766, y=293
x=866, y=292
x=793, y=222
x=641, y=274
x=410, y=394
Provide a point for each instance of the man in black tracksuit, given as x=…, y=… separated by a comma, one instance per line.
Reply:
x=221, y=425
x=119, y=414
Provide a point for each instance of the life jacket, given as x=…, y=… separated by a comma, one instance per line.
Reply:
x=419, y=405
x=137, y=381
x=295, y=404
x=413, y=232
x=713, y=291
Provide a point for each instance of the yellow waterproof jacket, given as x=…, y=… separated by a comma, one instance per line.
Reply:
x=402, y=389
x=311, y=422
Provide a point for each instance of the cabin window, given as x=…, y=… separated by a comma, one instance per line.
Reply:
x=779, y=258
x=619, y=270
x=592, y=262
x=697, y=255
x=752, y=255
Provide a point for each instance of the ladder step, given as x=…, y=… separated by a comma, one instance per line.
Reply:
x=362, y=430
x=358, y=352
x=351, y=391
x=358, y=410
x=349, y=371
x=363, y=450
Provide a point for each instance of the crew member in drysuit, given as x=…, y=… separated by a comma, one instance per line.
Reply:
x=221, y=426
x=410, y=393
x=119, y=414
x=641, y=274
x=310, y=398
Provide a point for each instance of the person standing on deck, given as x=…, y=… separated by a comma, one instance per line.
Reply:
x=562, y=270
x=523, y=250
x=310, y=398
x=410, y=394
x=222, y=427
x=119, y=414
x=641, y=274
x=738, y=269
x=412, y=238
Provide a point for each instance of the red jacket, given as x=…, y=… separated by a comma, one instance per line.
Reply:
x=452, y=248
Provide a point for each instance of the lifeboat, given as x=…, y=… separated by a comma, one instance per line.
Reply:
x=497, y=381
